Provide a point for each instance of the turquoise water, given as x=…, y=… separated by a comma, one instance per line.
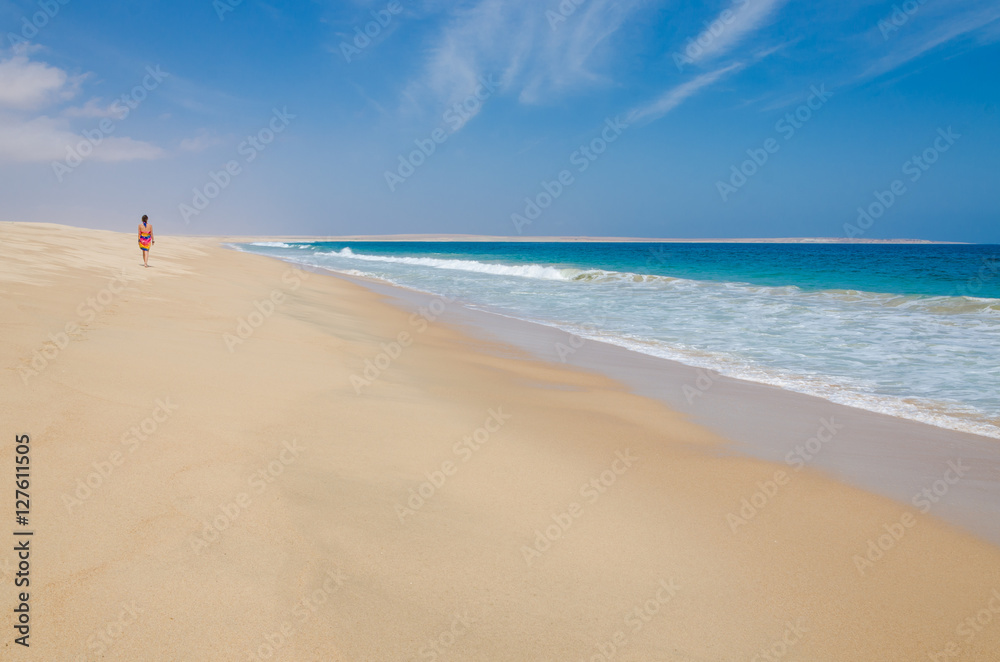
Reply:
x=908, y=330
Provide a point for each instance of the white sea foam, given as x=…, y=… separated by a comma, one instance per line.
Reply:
x=523, y=271
x=271, y=244
x=851, y=392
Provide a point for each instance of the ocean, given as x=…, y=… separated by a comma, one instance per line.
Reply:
x=909, y=330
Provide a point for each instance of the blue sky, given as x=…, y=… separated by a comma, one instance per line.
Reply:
x=745, y=118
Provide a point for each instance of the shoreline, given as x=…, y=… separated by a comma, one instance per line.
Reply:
x=320, y=471
x=895, y=407
x=761, y=420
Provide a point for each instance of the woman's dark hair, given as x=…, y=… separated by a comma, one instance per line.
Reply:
x=145, y=218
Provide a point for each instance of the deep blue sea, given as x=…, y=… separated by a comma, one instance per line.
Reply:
x=910, y=330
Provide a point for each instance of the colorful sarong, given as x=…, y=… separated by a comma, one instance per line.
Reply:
x=145, y=240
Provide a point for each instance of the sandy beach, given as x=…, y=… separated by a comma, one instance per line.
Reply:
x=234, y=459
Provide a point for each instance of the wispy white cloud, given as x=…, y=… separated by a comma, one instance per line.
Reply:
x=730, y=27
x=577, y=52
x=771, y=50
x=539, y=52
x=675, y=96
x=532, y=55
x=720, y=36
x=475, y=42
x=910, y=44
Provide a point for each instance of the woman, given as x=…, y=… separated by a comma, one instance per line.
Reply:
x=145, y=239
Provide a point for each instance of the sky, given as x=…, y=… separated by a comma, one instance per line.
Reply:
x=645, y=118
